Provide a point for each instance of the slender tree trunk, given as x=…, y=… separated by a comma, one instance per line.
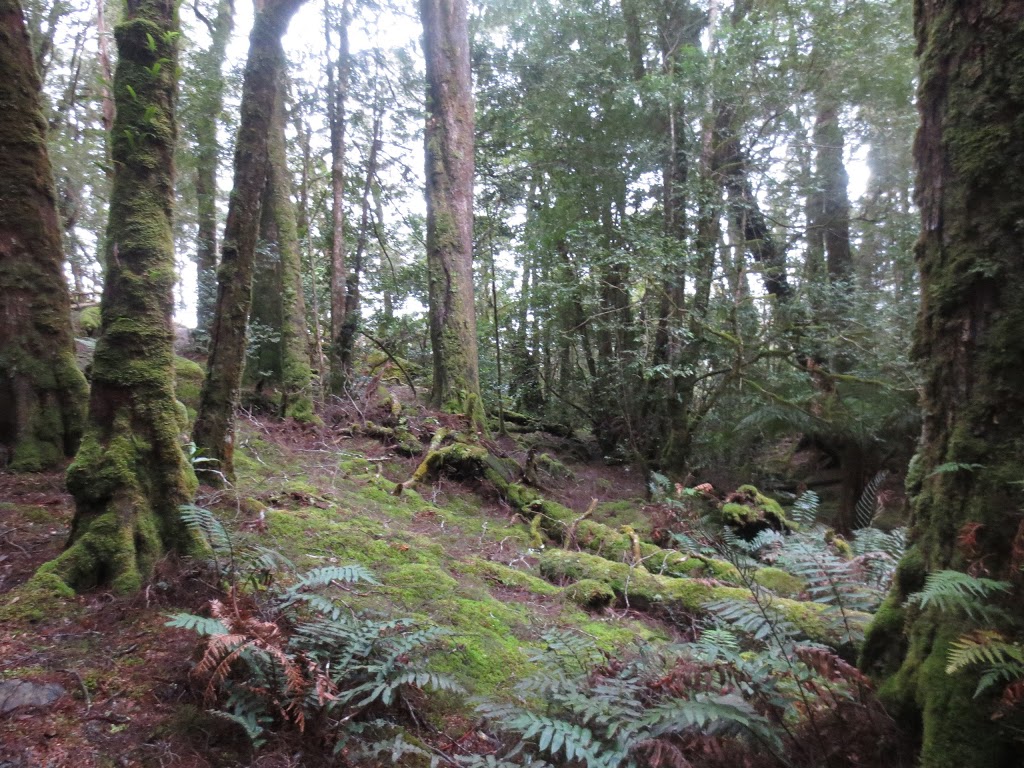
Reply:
x=130, y=475
x=337, y=93
x=970, y=192
x=351, y=325
x=306, y=238
x=449, y=171
x=214, y=431
x=42, y=393
x=209, y=105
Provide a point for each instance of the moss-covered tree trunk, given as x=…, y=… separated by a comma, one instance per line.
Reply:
x=42, y=393
x=279, y=356
x=208, y=103
x=966, y=477
x=449, y=192
x=214, y=431
x=131, y=475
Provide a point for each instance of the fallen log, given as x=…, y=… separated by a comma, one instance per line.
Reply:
x=636, y=587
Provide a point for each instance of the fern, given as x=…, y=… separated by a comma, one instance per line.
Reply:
x=201, y=625
x=958, y=591
x=330, y=669
x=805, y=509
x=348, y=574
x=750, y=618
x=867, y=504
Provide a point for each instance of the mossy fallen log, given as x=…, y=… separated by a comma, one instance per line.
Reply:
x=561, y=524
x=404, y=441
x=639, y=588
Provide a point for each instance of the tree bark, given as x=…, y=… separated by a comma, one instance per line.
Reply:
x=214, y=431
x=970, y=192
x=449, y=192
x=206, y=116
x=337, y=93
x=131, y=475
x=42, y=393
x=281, y=356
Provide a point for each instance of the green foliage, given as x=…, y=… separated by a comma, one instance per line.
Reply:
x=603, y=713
x=957, y=591
x=285, y=655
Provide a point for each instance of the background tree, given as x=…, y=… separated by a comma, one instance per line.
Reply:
x=131, y=475
x=42, y=392
x=213, y=432
x=966, y=476
x=203, y=103
x=449, y=192
x=278, y=349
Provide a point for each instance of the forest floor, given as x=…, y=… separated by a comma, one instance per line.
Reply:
x=447, y=552
x=554, y=542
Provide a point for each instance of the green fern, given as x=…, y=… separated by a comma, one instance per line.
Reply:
x=805, y=509
x=958, y=591
x=201, y=625
x=867, y=504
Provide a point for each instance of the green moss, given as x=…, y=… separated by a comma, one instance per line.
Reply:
x=779, y=581
x=90, y=321
x=188, y=383
x=509, y=577
x=590, y=594
x=643, y=590
x=45, y=595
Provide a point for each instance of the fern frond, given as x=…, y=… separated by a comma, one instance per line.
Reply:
x=958, y=591
x=751, y=619
x=203, y=522
x=805, y=509
x=867, y=504
x=1004, y=658
x=347, y=574
x=201, y=625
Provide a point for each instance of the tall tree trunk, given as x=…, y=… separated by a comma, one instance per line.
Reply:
x=351, y=325
x=42, y=393
x=449, y=171
x=206, y=117
x=970, y=192
x=281, y=243
x=316, y=349
x=337, y=93
x=131, y=475
x=214, y=431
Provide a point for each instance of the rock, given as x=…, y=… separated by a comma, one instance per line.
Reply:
x=23, y=693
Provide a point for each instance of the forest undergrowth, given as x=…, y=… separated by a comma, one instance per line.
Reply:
x=386, y=589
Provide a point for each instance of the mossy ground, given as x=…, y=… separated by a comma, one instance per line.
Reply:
x=448, y=552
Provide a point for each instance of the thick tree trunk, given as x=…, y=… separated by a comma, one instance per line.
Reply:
x=971, y=196
x=449, y=170
x=214, y=431
x=131, y=475
x=42, y=393
x=281, y=356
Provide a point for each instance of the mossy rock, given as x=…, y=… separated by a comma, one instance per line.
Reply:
x=44, y=595
x=748, y=511
x=90, y=321
x=590, y=594
x=188, y=383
